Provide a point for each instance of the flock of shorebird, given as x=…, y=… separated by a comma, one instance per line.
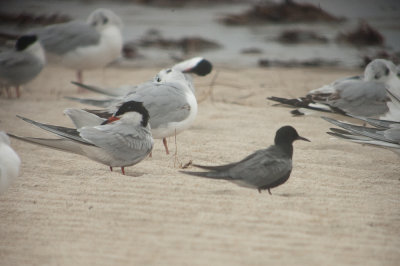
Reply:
x=121, y=133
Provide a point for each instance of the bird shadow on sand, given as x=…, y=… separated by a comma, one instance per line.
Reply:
x=135, y=174
x=288, y=195
x=224, y=192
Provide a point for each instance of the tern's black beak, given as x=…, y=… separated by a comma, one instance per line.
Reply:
x=302, y=138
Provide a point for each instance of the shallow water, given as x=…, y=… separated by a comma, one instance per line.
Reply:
x=202, y=21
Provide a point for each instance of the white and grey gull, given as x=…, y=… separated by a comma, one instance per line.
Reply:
x=23, y=64
x=84, y=45
x=360, y=95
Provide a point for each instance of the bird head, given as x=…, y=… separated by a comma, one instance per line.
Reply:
x=286, y=135
x=380, y=70
x=130, y=112
x=102, y=18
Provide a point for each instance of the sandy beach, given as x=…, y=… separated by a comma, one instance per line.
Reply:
x=339, y=207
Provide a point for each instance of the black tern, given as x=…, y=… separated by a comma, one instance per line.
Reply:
x=264, y=169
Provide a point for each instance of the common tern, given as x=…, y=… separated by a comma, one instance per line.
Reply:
x=124, y=139
x=23, y=64
x=264, y=169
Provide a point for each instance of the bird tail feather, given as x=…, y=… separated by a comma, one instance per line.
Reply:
x=95, y=89
x=57, y=144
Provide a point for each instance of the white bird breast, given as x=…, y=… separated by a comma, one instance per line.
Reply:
x=99, y=55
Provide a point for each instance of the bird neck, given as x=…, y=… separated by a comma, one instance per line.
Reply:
x=287, y=148
x=37, y=50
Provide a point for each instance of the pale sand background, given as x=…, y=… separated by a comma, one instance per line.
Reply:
x=341, y=205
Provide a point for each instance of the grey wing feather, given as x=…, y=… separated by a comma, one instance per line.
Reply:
x=165, y=103
x=266, y=168
x=361, y=98
x=94, y=102
x=63, y=38
x=119, y=139
x=226, y=167
x=109, y=92
x=19, y=67
x=376, y=122
x=366, y=140
x=392, y=134
x=360, y=130
x=81, y=118
x=65, y=132
x=57, y=144
x=211, y=175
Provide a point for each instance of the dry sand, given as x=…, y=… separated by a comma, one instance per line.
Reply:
x=340, y=206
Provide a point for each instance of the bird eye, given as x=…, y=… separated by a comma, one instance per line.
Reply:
x=105, y=20
x=387, y=71
x=169, y=71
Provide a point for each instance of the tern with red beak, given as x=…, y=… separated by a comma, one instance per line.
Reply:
x=124, y=139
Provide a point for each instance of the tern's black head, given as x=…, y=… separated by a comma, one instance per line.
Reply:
x=133, y=106
x=286, y=135
x=202, y=68
x=24, y=41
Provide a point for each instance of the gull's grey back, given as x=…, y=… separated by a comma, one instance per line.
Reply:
x=62, y=38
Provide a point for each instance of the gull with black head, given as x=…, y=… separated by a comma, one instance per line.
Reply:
x=23, y=64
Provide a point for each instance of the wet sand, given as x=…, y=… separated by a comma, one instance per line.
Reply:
x=340, y=206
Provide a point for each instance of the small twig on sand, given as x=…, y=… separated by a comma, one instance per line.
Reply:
x=209, y=92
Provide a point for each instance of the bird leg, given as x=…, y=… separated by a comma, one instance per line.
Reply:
x=164, y=140
x=269, y=191
x=111, y=168
x=123, y=170
x=17, y=91
x=79, y=78
x=8, y=92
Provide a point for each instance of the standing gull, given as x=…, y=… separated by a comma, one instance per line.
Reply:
x=84, y=45
x=264, y=169
x=124, y=139
x=23, y=64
